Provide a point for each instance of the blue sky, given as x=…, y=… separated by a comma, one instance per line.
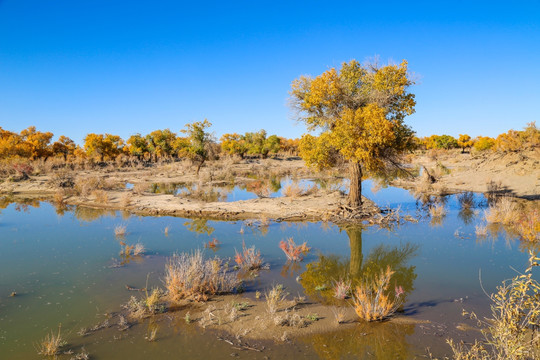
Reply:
x=122, y=67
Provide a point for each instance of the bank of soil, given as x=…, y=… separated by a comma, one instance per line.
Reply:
x=516, y=174
x=513, y=174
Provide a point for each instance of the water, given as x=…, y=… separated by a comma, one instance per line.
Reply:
x=61, y=265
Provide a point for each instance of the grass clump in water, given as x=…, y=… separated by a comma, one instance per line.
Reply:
x=372, y=300
x=192, y=276
x=292, y=251
x=120, y=230
x=51, y=344
x=249, y=259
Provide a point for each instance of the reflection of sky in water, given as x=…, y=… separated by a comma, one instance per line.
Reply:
x=60, y=264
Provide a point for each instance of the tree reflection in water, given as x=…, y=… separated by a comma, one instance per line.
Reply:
x=381, y=341
x=319, y=278
x=199, y=226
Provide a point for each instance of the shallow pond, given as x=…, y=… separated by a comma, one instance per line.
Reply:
x=65, y=269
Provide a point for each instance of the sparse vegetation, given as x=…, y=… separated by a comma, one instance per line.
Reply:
x=512, y=330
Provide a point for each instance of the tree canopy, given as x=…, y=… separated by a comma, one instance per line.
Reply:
x=359, y=111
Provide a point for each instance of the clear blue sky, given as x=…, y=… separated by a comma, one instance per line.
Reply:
x=73, y=67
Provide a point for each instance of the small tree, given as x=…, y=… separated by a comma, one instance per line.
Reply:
x=161, y=143
x=64, y=146
x=137, y=146
x=234, y=144
x=103, y=146
x=465, y=142
x=360, y=112
x=199, y=141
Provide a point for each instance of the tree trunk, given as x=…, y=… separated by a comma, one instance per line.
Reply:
x=200, y=165
x=355, y=188
x=355, y=240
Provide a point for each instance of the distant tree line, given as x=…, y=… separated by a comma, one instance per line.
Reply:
x=194, y=142
x=511, y=141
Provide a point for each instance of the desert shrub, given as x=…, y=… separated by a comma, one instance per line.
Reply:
x=512, y=330
x=152, y=303
x=23, y=170
x=120, y=230
x=51, y=344
x=528, y=226
x=100, y=196
x=62, y=179
x=437, y=211
x=504, y=211
x=249, y=259
x=292, y=190
x=86, y=185
x=342, y=289
x=192, y=276
x=292, y=251
x=372, y=299
x=274, y=298
x=518, y=140
x=484, y=143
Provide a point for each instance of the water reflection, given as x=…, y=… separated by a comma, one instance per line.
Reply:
x=199, y=226
x=320, y=275
x=379, y=340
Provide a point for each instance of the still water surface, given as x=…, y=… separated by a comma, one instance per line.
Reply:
x=61, y=265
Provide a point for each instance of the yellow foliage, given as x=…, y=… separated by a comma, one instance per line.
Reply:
x=483, y=143
x=465, y=141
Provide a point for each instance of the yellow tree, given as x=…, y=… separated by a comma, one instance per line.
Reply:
x=37, y=142
x=199, y=141
x=64, y=146
x=360, y=112
x=234, y=144
x=103, y=146
x=465, y=142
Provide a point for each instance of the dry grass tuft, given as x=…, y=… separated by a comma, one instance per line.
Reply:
x=292, y=190
x=58, y=197
x=192, y=276
x=51, y=344
x=339, y=314
x=528, y=227
x=138, y=249
x=372, y=300
x=120, y=230
x=249, y=259
x=292, y=251
x=125, y=200
x=342, y=289
x=100, y=196
x=481, y=230
x=437, y=211
x=150, y=304
x=505, y=211
x=274, y=298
